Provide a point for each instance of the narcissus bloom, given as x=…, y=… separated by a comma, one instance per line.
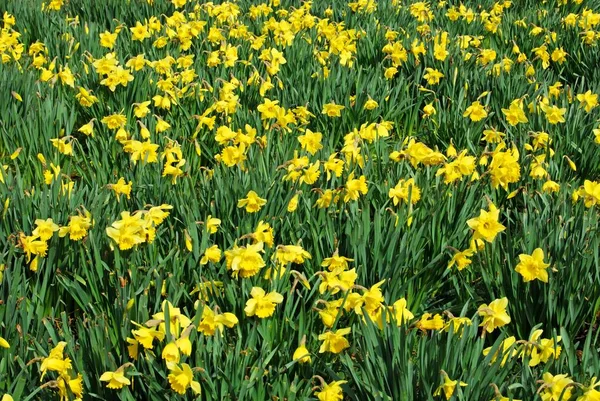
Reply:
x=264, y=233
x=370, y=104
x=331, y=391
x=108, y=39
x=139, y=32
x=182, y=377
x=492, y=135
x=87, y=129
x=268, y=109
x=334, y=342
x=590, y=392
x=332, y=109
x=4, y=343
x=311, y=141
x=114, y=121
x=177, y=320
x=486, y=226
x=390, y=72
x=589, y=192
x=127, y=232
x=121, y=188
x=337, y=280
x=262, y=304
x=448, y=387
x=428, y=110
x=85, y=98
x=178, y=3
x=551, y=186
x=400, y=312
x=157, y=214
x=404, y=190
x=371, y=299
x=430, y=322
x=32, y=246
x=532, y=266
x=184, y=344
x=588, y=100
x=133, y=348
x=74, y=386
x=170, y=353
x=146, y=336
x=45, y=229
x=63, y=145
x=141, y=109
x=556, y=387
x=161, y=125
x=504, y=168
x=115, y=380
x=433, y=76
x=494, y=315
x=330, y=312
x=515, y=113
x=211, y=254
x=302, y=355
x=213, y=321
x=144, y=151
x=559, y=55
x=440, y=44
x=355, y=187
x=457, y=324
x=462, y=165
x=285, y=254
x=554, y=114
x=503, y=350
x=66, y=76
x=475, y=111
x=56, y=361
x=245, y=261
x=293, y=204
x=540, y=350
x=336, y=261
x=212, y=224
x=461, y=259
x=252, y=202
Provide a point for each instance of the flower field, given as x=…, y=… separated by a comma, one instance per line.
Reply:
x=368, y=200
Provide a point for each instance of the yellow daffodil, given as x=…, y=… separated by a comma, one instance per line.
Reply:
x=262, y=304
x=334, y=341
x=486, y=226
x=252, y=202
x=332, y=391
x=181, y=377
x=115, y=380
x=494, y=315
x=532, y=266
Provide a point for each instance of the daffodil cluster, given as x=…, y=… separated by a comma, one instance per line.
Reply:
x=336, y=184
